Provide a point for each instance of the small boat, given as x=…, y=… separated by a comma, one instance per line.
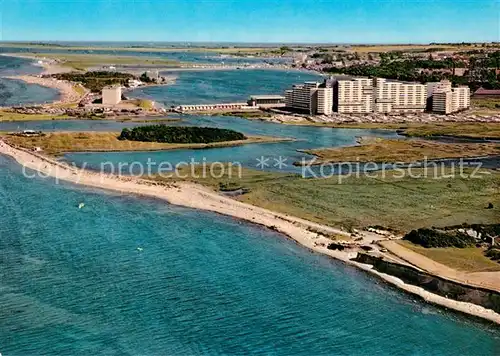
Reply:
x=81, y=205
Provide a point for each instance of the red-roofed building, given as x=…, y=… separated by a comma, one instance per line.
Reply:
x=482, y=93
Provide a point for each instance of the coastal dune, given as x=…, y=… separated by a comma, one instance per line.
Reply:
x=198, y=197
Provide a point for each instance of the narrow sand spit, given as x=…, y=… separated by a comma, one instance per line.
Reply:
x=66, y=89
x=198, y=197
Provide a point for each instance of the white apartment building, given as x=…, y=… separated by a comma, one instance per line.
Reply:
x=400, y=97
x=354, y=95
x=111, y=95
x=378, y=95
x=447, y=100
x=365, y=95
x=442, y=102
x=461, y=98
x=323, y=103
x=310, y=97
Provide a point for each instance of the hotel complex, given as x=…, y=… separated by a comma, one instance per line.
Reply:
x=377, y=95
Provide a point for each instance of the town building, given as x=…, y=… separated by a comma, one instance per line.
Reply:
x=482, y=93
x=134, y=83
x=111, y=95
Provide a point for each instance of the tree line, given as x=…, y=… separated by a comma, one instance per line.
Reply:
x=480, y=72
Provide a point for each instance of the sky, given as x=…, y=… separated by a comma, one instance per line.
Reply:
x=274, y=21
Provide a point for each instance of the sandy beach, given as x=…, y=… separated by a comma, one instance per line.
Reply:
x=67, y=91
x=68, y=94
x=198, y=197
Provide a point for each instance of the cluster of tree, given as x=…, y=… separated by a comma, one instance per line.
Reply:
x=336, y=246
x=172, y=134
x=145, y=78
x=493, y=253
x=97, y=80
x=400, y=70
x=480, y=73
x=440, y=238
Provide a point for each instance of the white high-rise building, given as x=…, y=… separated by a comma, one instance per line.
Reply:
x=354, y=95
x=323, y=101
x=442, y=101
x=461, y=98
x=364, y=95
x=446, y=100
x=394, y=96
x=310, y=97
x=378, y=95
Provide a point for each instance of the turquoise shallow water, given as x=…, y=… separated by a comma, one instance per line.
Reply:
x=305, y=137
x=73, y=282
x=15, y=92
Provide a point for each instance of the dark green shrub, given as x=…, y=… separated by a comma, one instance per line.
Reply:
x=493, y=253
x=438, y=238
x=174, y=134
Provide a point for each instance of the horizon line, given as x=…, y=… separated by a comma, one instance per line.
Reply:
x=249, y=42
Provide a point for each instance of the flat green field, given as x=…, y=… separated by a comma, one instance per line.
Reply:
x=57, y=143
x=402, y=204
x=12, y=116
x=475, y=130
x=407, y=151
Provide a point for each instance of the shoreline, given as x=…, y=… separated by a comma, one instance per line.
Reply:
x=55, y=67
x=250, y=140
x=198, y=197
x=48, y=68
x=67, y=93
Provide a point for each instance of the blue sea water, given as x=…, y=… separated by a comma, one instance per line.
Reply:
x=15, y=92
x=198, y=56
x=130, y=276
x=223, y=86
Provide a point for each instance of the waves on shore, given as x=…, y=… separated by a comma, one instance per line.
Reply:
x=136, y=276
